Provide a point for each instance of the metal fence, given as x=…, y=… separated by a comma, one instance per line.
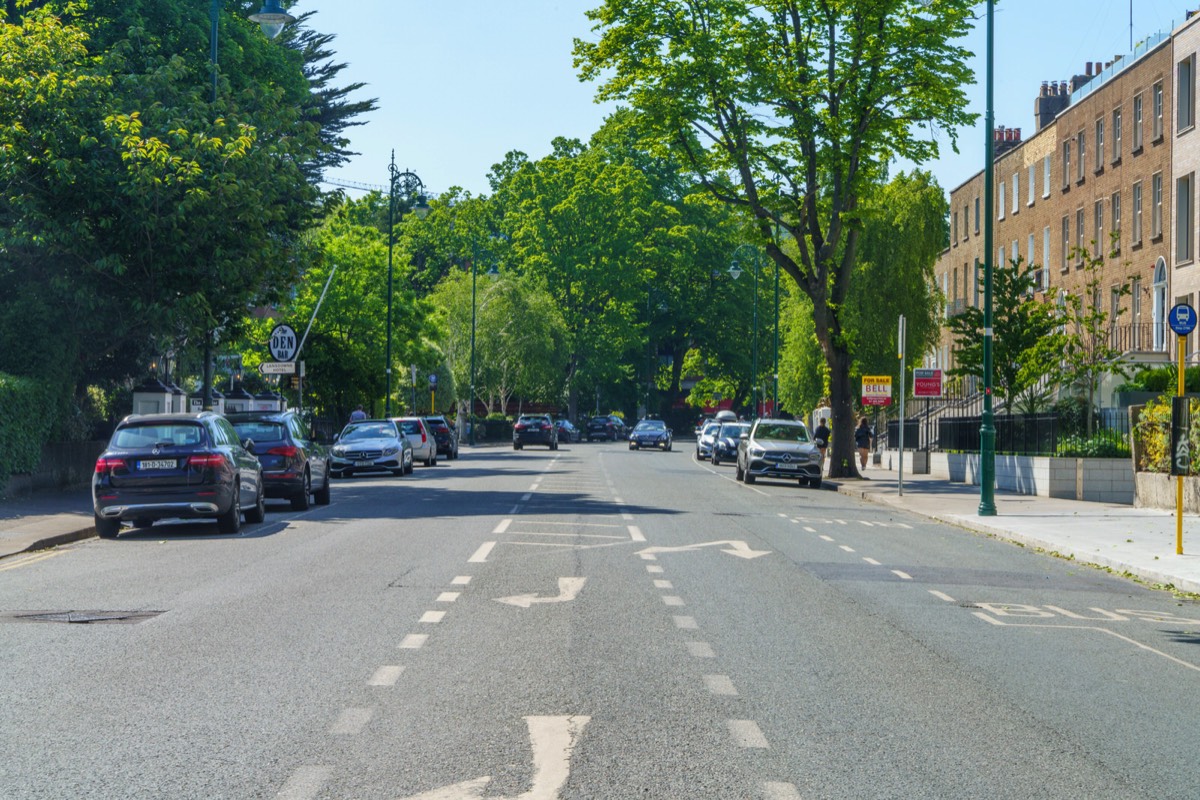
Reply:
x=1037, y=435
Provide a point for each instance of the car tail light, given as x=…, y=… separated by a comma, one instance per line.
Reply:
x=287, y=451
x=422, y=436
x=204, y=460
x=107, y=465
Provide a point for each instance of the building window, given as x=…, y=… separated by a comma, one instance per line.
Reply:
x=1099, y=144
x=1045, y=258
x=1185, y=92
x=1000, y=262
x=956, y=229
x=1000, y=205
x=1135, y=313
x=1098, y=227
x=1030, y=261
x=966, y=219
x=1066, y=243
x=1115, y=204
x=1079, y=237
x=1032, y=181
x=1157, y=110
x=1066, y=170
x=1136, y=238
x=1137, y=123
x=1156, y=190
x=976, y=281
x=1046, y=176
x=1116, y=136
x=1016, y=193
x=1183, y=219
x=1081, y=143
x=976, y=216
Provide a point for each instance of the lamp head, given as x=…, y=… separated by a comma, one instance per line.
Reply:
x=421, y=207
x=735, y=271
x=271, y=18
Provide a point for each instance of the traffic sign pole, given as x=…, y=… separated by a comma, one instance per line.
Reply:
x=1182, y=320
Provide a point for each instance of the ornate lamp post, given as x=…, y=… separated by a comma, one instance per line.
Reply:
x=413, y=190
x=474, y=271
x=735, y=272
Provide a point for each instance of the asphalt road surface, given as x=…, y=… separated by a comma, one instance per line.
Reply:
x=588, y=623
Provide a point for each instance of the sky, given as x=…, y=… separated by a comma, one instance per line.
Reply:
x=459, y=84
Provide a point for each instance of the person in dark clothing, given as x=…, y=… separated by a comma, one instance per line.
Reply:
x=863, y=439
x=821, y=436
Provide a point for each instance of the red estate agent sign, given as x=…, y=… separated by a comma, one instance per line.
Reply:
x=927, y=383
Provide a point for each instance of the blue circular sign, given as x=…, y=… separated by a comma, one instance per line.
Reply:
x=1182, y=319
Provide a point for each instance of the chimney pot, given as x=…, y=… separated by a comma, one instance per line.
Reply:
x=1087, y=69
x=1016, y=134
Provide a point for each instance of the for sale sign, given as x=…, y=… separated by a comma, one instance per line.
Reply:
x=877, y=390
x=927, y=383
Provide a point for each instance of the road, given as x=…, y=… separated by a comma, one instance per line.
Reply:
x=588, y=623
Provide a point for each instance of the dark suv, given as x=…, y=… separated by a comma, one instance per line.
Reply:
x=444, y=435
x=535, y=429
x=295, y=466
x=609, y=428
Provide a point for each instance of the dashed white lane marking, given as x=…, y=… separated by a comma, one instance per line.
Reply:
x=386, y=675
x=305, y=783
x=618, y=501
x=941, y=595
x=777, y=790
x=635, y=534
x=746, y=733
x=794, y=521
x=515, y=509
x=827, y=538
x=433, y=617
x=685, y=623
x=661, y=584
x=902, y=575
x=720, y=684
x=482, y=553
x=460, y=580
x=654, y=569
x=503, y=526
x=872, y=562
x=351, y=721
x=648, y=556
x=782, y=514
x=526, y=496
x=414, y=641
x=701, y=650
x=810, y=530
x=626, y=515
x=903, y=525
x=846, y=547
x=868, y=524
x=448, y=597
x=672, y=600
x=533, y=488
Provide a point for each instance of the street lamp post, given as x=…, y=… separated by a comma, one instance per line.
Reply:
x=735, y=271
x=412, y=187
x=987, y=428
x=271, y=18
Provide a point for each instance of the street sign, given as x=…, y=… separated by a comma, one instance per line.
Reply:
x=1181, y=425
x=927, y=383
x=877, y=390
x=283, y=343
x=1182, y=319
x=432, y=380
x=277, y=368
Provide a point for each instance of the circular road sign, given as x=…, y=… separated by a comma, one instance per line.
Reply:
x=284, y=343
x=432, y=379
x=1182, y=319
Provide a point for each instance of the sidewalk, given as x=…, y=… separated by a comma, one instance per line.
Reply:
x=1140, y=542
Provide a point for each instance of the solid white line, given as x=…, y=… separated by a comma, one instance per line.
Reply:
x=568, y=535
x=503, y=526
x=872, y=562
x=720, y=684
x=827, y=538
x=902, y=575
x=661, y=584
x=386, y=676
x=526, y=497
x=685, y=623
x=482, y=553
x=655, y=569
x=305, y=783
x=635, y=534
x=941, y=595
x=846, y=547
x=351, y=721
x=777, y=790
x=701, y=650
x=672, y=600
x=414, y=641
x=571, y=524
x=461, y=580
x=448, y=597
x=746, y=733
x=432, y=617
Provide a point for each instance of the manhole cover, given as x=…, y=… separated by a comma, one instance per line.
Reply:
x=82, y=617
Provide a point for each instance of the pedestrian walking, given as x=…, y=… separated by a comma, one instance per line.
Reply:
x=863, y=439
x=358, y=414
x=821, y=437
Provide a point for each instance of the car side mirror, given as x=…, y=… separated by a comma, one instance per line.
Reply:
x=744, y=436
x=249, y=445
x=337, y=436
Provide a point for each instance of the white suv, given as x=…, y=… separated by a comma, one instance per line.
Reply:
x=423, y=444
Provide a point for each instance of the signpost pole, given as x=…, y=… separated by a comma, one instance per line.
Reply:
x=1179, y=391
x=1182, y=320
x=900, y=341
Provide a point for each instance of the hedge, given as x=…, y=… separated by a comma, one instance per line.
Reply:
x=25, y=421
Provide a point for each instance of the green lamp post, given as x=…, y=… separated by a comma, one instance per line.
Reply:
x=987, y=428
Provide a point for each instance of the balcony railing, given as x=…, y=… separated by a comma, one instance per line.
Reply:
x=1142, y=337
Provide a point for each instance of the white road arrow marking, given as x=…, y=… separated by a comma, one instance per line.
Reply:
x=568, y=589
x=733, y=548
x=552, y=740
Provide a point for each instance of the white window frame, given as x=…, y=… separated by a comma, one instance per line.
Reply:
x=1184, y=203
x=1066, y=243
x=1136, y=236
x=1157, y=110
x=1116, y=135
x=1000, y=204
x=1046, y=258
x=1138, y=122
x=1114, y=204
x=1032, y=184
x=1156, y=191
x=1046, y=176
x=1185, y=94
x=1099, y=144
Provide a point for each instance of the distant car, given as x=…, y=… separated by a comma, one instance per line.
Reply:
x=725, y=441
x=650, y=433
x=704, y=440
x=295, y=466
x=371, y=445
x=424, y=445
x=610, y=428
x=779, y=448
x=445, y=436
x=566, y=431
x=164, y=466
x=535, y=429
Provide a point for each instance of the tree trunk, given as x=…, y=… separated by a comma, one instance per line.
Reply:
x=843, y=455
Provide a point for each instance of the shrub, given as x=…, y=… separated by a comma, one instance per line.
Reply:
x=1153, y=432
x=1105, y=444
x=24, y=425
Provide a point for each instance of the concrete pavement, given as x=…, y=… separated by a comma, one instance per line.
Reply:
x=1134, y=541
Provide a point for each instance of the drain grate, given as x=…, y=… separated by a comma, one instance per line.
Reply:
x=82, y=617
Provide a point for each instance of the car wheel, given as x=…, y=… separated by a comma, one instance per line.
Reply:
x=259, y=512
x=516, y=446
x=748, y=478
x=322, y=495
x=667, y=449
x=738, y=473
x=107, y=528
x=716, y=461
x=398, y=472
x=231, y=520
x=300, y=499
x=408, y=467
x=815, y=483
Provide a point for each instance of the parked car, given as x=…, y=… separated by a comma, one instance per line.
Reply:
x=650, y=433
x=294, y=465
x=166, y=466
x=725, y=441
x=779, y=448
x=610, y=428
x=424, y=445
x=566, y=431
x=704, y=440
x=371, y=445
x=445, y=436
x=535, y=429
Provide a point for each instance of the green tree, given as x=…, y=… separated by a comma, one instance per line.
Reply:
x=792, y=110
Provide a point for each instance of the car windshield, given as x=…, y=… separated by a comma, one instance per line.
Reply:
x=651, y=425
x=169, y=434
x=711, y=429
x=373, y=430
x=732, y=430
x=782, y=433
x=261, y=431
x=411, y=427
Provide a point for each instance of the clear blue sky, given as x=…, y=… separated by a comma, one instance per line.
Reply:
x=461, y=83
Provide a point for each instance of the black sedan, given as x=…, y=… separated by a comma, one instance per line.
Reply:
x=166, y=466
x=725, y=441
x=566, y=431
x=445, y=436
x=295, y=466
x=650, y=433
x=610, y=427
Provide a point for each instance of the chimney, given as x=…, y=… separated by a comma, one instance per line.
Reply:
x=1087, y=69
x=1049, y=104
x=1045, y=89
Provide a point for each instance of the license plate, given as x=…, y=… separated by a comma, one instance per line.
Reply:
x=787, y=466
x=166, y=463
x=364, y=463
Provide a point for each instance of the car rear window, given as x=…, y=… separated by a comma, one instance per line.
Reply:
x=410, y=427
x=437, y=424
x=261, y=431
x=173, y=434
